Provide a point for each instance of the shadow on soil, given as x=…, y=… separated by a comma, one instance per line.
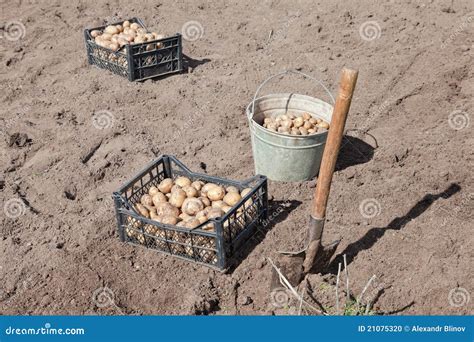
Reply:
x=278, y=211
x=354, y=151
x=375, y=234
x=191, y=63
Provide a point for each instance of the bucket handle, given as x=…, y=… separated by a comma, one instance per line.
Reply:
x=284, y=73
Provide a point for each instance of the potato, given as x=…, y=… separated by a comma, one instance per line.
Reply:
x=126, y=23
x=182, y=181
x=184, y=216
x=114, y=46
x=142, y=31
x=245, y=192
x=190, y=191
x=175, y=188
x=313, y=121
x=232, y=198
x=267, y=120
x=95, y=33
x=192, y=223
x=151, y=209
x=303, y=131
x=197, y=185
x=216, y=193
x=306, y=116
x=205, y=188
x=295, y=131
x=181, y=224
x=149, y=37
x=298, y=122
x=153, y=191
x=111, y=29
x=158, y=36
x=167, y=209
x=232, y=188
x=142, y=210
x=192, y=206
x=105, y=36
x=177, y=198
x=166, y=185
x=311, y=131
x=139, y=40
x=135, y=26
x=168, y=195
x=169, y=219
x=308, y=125
x=226, y=208
x=217, y=204
x=272, y=127
x=201, y=216
x=146, y=200
x=323, y=124
x=283, y=117
x=287, y=124
x=215, y=213
x=206, y=201
x=154, y=216
x=285, y=130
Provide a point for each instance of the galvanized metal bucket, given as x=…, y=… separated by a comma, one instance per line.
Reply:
x=283, y=157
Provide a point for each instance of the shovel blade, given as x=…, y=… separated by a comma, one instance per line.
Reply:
x=291, y=265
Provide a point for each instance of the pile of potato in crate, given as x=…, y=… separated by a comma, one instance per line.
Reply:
x=189, y=215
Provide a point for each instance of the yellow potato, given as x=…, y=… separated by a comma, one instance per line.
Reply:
x=206, y=201
x=215, y=213
x=190, y=191
x=217, y=204
x=232, y=198
x=167, y=209
x=111, y=29
x=146, y=200
x=95, y=33
x=177, y=198
x=182, y=181
x=153, y=191
x=142, y=210
x=216, y=193
x=192, y=206
x=126, y=23
x=306, y=116
x=166, y=185
x=159, y=198
x=205, y=188
x=135, y=26
x=169, y=219
x=298, y=122
x=323, y=124
x=232, y=188
x=192, y=223
x=197, y=185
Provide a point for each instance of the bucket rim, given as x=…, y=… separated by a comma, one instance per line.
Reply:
x=252, y=122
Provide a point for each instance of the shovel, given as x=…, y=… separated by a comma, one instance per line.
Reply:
x=315, y=257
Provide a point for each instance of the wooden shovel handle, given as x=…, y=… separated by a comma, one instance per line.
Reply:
x=333, y=143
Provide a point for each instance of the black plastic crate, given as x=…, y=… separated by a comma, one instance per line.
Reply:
x=133, y=61
x=211, y=248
